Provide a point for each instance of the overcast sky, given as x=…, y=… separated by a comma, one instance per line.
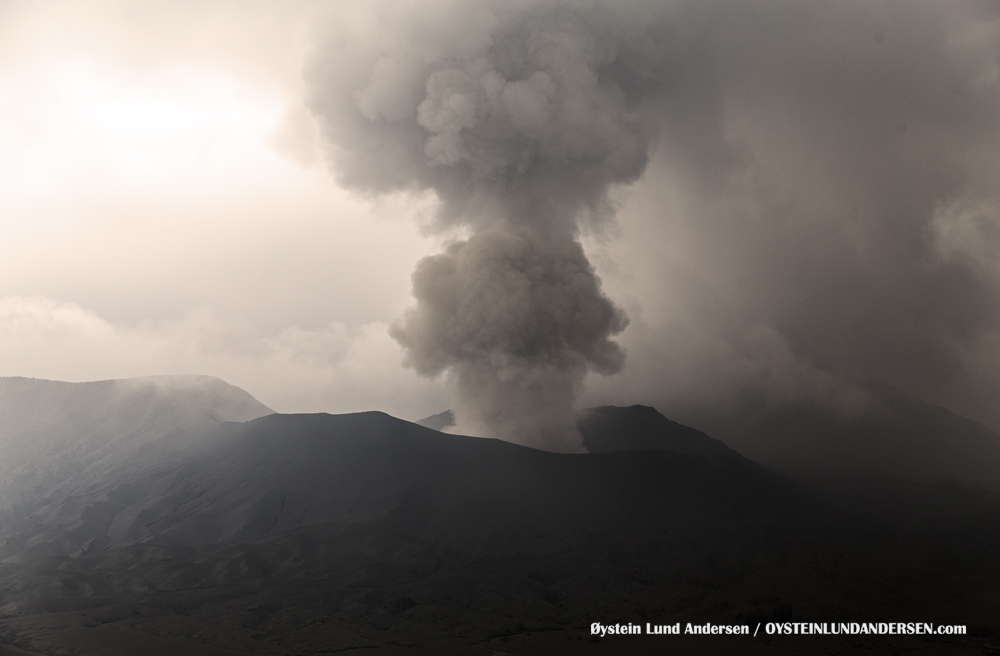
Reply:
x=820, y=205
x=164, y=210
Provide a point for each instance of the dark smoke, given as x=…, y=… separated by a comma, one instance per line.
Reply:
x=517, y=316
x=832, y=173
x=519, y=117
x=821, y=215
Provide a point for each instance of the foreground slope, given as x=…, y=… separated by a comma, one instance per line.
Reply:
x=306, y=534
x=367, y=531
x=307, y=472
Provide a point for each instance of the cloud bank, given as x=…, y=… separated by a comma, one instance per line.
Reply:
x=336, y=367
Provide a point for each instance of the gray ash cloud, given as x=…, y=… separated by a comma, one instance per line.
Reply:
x=519, y=117
x=831, y=168
x=517, y=317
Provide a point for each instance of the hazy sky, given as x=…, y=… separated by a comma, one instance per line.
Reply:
x=163, y=210
x=821, y=205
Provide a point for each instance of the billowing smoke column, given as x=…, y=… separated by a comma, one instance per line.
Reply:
x=517, y=315
x=823, y=208
x=520, y=117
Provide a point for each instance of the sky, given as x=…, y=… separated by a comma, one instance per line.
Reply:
x=809, y=202
x=158, y=216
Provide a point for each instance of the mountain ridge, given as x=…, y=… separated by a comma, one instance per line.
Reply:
x=606, y=429
x=297, y=534
x=52, y=432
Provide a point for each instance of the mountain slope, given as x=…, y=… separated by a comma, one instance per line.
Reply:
x=302, y=534
x=155, y=527
x=896, y=435
x=255, y=479
x=376, y=532
x=636, y=428
x=53, y=433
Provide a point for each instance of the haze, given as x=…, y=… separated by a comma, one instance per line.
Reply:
x=819, y=213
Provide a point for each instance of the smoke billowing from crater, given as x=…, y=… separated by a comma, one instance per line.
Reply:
x=520, y=117
x=517, y=317
x=821, y=210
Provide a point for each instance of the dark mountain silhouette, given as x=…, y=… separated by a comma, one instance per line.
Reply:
x=413, y=529
x=310, y=534
x=635, y=428
x=439, y=422
x=640, y=427
x=247, y=480
x=896, y=435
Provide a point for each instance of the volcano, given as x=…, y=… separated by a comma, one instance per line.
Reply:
x=302, y=534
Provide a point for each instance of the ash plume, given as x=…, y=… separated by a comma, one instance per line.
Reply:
x=833, y=177
x=520, y=117
x=819, y=208
x=517, y=317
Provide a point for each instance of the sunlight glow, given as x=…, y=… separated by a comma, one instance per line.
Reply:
x=72, y=127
